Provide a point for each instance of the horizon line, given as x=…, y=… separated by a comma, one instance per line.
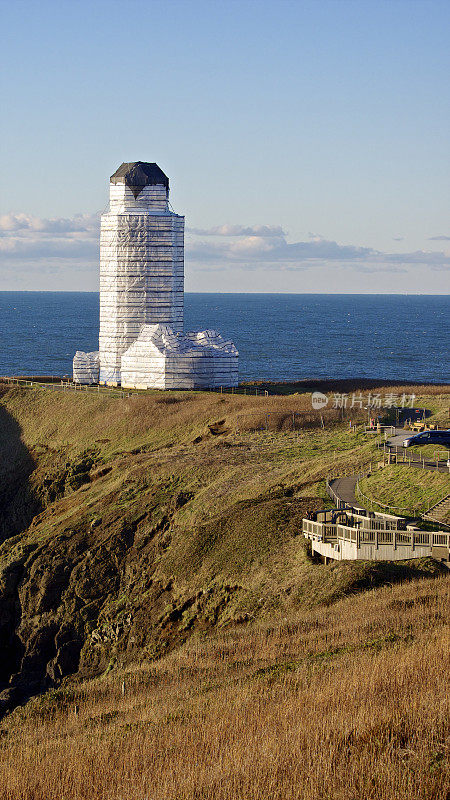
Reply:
x=321, y=294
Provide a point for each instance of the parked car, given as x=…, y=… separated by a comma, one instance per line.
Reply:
x=429, y=437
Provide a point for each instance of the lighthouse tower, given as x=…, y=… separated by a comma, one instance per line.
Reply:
x=141, y=263
x=141, y=343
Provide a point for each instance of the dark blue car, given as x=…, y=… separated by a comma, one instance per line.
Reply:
x=429, y=437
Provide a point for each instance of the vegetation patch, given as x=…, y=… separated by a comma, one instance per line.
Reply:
x=412, y=489
x=123, y=540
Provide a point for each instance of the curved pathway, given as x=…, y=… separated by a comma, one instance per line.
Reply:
x=344, y=488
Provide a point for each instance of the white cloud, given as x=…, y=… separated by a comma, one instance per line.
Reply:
x=316, y=237
x=31, y=245
x=268, y=252
x=239, y=230
x=439, y=238
x=31, y=239
x=27, y=224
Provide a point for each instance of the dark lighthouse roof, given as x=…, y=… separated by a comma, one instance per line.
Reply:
x=137, y=174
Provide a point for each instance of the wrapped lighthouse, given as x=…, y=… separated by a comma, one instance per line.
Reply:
x=141, y=341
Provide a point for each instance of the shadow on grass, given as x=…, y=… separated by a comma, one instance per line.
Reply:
x=18, y=505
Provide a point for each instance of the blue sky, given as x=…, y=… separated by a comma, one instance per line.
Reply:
x=306, y=142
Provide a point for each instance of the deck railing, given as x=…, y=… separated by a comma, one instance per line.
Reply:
x=326, y=532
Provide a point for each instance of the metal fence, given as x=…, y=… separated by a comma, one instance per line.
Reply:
x=402, y=455
x=411, y=511
x=68, y=386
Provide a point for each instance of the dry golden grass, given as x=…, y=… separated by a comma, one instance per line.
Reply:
x=345, y=703
x=77, y=420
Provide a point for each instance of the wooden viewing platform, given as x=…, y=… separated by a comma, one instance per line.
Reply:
x=344, y=535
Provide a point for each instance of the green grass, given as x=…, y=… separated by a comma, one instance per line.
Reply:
x=430, y=452
x=412, y=489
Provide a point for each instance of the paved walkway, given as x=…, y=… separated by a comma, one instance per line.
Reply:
x=426, y=464
x=399, y=437
x=345, y=489
x=395, y=445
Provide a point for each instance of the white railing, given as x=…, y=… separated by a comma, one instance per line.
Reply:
x=319, y=530
x=326, y=532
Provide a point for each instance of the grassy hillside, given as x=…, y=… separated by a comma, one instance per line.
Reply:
x=160, y=536
x=344, y=703
x=412, y=489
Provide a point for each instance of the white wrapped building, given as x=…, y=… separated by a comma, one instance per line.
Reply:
x=141, y=262
x=162, y=359
x=86, y=367
x=141, y=340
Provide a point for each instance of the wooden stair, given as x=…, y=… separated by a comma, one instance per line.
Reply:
x=440, y=512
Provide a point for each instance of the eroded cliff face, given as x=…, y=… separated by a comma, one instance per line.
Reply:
x=89, y=582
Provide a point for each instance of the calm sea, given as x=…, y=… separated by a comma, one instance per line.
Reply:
x=279, y=336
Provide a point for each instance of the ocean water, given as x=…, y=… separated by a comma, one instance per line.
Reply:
x=279, y=336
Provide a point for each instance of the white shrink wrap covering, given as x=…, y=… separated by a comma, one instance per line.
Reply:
x=86, y=367
x=141, y=262
x=160, y=358
x=141, y=341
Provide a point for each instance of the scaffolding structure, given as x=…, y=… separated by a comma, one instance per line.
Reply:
x=141, y=264
x=162, y=359
x=141, y=340
x=86, y=367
